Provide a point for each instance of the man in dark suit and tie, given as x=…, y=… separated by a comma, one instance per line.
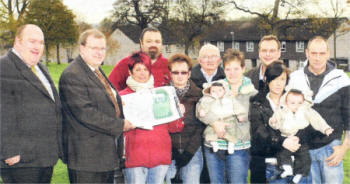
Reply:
x=31, y=117
x=93, y=114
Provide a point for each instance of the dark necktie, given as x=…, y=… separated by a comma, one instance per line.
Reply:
x=109, y=90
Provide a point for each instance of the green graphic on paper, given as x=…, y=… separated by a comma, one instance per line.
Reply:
x=161, y=105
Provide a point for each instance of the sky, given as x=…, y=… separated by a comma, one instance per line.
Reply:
x=90, y=11
x=94, y=11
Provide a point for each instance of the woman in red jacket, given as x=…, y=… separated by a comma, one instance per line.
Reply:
x=147, y=152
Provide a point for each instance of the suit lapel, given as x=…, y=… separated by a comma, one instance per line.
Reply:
x=28, y=74
x=93, y=77
x=52, y=84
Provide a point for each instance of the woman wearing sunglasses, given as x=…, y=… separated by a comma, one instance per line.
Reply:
x=186, y=146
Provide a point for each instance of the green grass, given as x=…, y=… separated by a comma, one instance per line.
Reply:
x=60, y=174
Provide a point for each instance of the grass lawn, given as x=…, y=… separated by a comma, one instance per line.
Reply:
x=60, y=174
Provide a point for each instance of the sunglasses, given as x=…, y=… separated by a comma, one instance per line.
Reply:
x=177, y=72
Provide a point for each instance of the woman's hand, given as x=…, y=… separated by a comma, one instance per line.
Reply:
x=128, y=125
x=182, y=109
x=219, y=128
x=291, y=143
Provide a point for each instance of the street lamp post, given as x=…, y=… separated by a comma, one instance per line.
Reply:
x=233, y=39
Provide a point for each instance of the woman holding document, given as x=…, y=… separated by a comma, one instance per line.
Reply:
x=147, y=152
x=187, y=151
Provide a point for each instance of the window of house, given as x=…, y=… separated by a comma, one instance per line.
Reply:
x=283, y=46
x=250, y=46
x=167, y=49
x=235, y=45
x=299, y=46
x=221, y=46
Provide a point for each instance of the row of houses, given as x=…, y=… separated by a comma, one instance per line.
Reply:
x=244, y=36
x=241, y=35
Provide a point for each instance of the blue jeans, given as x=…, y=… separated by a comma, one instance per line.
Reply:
x=320, y=171
x=227, y=168
x=191, y=172
x=142, y=175
x=273, y=176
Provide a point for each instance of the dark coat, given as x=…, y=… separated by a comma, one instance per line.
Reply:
x=31, y=121
x=254, y=75
x=265, y=141
x=198, y=78
x=190, y=139
x=90, y=120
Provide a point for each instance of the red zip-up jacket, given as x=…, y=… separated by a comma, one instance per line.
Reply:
x=149, y=148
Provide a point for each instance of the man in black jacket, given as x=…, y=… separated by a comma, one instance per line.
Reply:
x=31, y=117
x=93, y=114
x=269, y=51
x=209, y=68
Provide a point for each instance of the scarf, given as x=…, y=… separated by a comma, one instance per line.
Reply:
x=181, y=92
x=137, y=86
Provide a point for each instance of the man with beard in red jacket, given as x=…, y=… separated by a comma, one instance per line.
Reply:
x=151, y=44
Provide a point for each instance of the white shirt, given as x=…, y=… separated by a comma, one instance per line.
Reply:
x=40, y=75
x=207, y=77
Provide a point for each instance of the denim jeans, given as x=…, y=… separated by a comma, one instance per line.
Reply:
x=191, y=172
x=227, y=168
x=273, y=176
x=320, y=171
x=142, y=175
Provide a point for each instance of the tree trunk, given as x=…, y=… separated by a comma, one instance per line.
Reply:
x=47, y=54
x=335, y=46
x=187, y=46
x=58, y=53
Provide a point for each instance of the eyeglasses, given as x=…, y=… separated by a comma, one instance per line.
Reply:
x=178, y=73
x=96, y=49
x=213, y=57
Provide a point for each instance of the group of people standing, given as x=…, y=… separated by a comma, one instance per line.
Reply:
x=227, y=125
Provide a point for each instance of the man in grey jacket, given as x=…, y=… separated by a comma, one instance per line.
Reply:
x=31, y=117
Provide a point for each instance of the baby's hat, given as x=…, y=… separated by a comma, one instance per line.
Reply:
x=306, y=92
x=206, y=86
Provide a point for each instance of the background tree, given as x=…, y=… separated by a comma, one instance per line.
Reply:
x=11, y=16
x=56, y=21
x=139, y=12
x=272, y=18
x=188, y=20
x=336, y=13
x=106, y=26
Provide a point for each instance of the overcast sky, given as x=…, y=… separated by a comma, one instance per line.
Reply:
x=94, y=11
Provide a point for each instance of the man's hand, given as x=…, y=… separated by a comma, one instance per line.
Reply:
x=128, y=125
x=337, y=156
x=13, y=160
x=219, y=128
x=291, y=143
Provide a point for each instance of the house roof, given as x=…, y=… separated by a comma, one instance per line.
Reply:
x=249, y=30
x=292, y=29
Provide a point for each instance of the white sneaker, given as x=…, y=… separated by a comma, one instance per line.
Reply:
x=297, y=178
x=215, y=146
x=231, y=147
x=288, y=171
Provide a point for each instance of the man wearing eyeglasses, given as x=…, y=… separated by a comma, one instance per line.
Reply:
x=269, y=51
x=151, y=44
x=208, y=69
x=93, y=114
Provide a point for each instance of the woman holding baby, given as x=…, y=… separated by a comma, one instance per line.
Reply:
x=226, y=165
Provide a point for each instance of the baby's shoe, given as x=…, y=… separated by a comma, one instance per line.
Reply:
x=231, y=147
x=288, y=171
x=215, y=146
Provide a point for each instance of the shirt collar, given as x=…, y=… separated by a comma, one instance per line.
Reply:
x=261, y=75
x=272, y=104
x=207, y=77
x=17, y=54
